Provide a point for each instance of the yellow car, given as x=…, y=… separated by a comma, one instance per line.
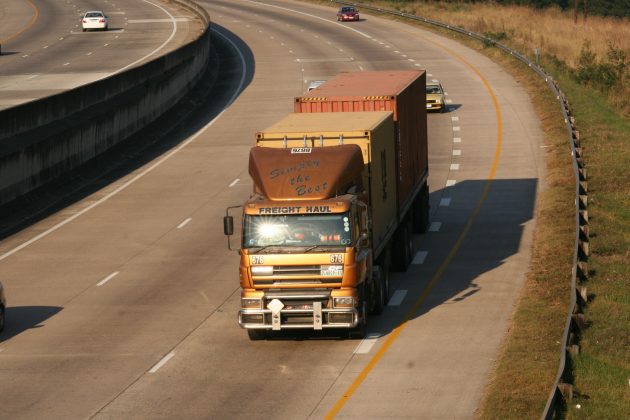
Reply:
x=436, y=100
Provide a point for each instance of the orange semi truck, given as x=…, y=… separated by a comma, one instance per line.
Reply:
x=325, y=222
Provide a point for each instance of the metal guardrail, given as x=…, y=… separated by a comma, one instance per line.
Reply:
x=561, y=391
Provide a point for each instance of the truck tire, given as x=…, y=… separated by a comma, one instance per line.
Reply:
x=257, y=335
x=402, y=248
x=384, y=263
x=358, y=332
x=421, y=211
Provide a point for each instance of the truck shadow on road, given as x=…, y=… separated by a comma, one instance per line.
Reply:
x=475, y=264
x=22, y=318
x=476, y=260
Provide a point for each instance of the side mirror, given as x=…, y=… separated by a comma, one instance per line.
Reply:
x=228, y=225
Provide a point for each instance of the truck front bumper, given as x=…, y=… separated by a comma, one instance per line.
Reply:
x=298, y=311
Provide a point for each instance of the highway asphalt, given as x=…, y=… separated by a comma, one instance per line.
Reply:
x=123, y=304
x=45, y=51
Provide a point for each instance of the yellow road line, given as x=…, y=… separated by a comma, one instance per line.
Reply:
x=27, y=27
x=442, y=268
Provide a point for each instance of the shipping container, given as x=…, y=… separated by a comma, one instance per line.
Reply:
x=373, y=132
x=401, y=92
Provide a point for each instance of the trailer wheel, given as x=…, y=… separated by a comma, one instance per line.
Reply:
x=421, y=211
x=403, y=246
x=257, y=335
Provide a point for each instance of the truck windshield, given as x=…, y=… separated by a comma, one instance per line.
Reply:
x=297, y=230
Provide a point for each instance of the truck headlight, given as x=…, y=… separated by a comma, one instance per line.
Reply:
x=343, y=302
x=251, y=303
x=262, y=270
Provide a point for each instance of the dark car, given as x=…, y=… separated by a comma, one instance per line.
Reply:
x=3, y=303
x=346, y=13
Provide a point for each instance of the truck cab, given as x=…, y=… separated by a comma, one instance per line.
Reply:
x=303, y=265
x=306, y=252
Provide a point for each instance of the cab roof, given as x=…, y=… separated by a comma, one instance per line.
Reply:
x=305, y=173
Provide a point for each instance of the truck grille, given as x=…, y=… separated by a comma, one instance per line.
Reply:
x=300, y=270
x=287, y=282
x=302, y=274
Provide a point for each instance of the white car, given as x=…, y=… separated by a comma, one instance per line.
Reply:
x=94, y=19
x=315, y=84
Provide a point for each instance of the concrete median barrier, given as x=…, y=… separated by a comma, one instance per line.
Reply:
x=47, y=138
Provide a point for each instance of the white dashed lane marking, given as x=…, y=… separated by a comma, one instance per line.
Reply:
x=367, y=343
x=435, y=227
x=420, y=257
x=108, y=278
x=397, y=298
x=450, y=182
x=184, y=223
x=162, y=362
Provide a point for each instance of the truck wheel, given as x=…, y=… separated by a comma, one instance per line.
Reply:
x=383, y=284
x=358, y=332
x=257, y=335
x=421, y=211
x=402, y=246
x=379, y=299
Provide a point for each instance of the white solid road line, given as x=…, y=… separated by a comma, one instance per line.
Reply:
x=184, y=223
x=108, y=278
x=162, y=362
x=397, y=297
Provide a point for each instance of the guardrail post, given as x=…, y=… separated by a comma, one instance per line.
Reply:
x=566, y=390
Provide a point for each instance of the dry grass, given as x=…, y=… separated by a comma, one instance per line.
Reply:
x=552, y=30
